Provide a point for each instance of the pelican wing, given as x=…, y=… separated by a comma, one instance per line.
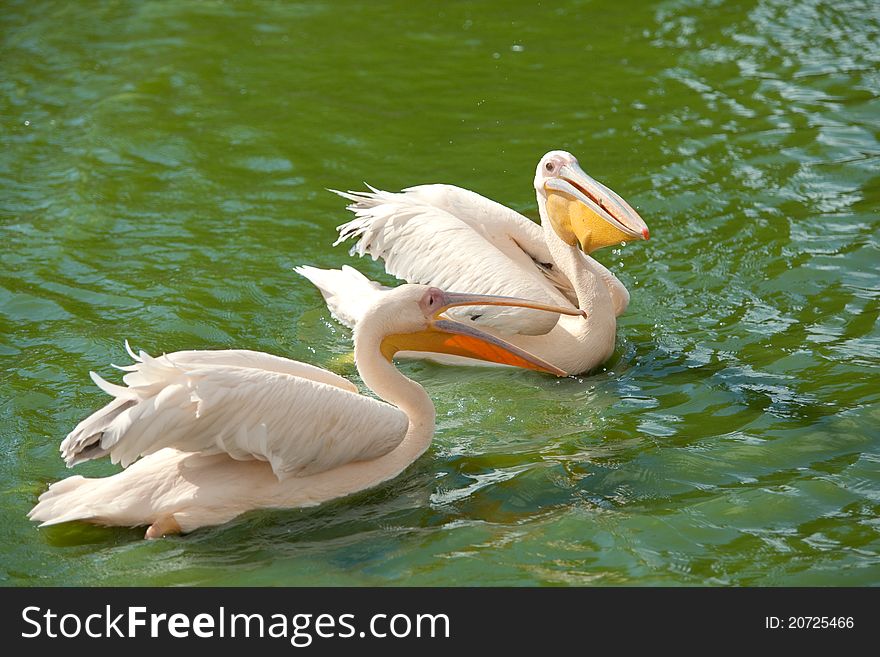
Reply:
x=299, y=418
x=498, y=223
x=455, y=239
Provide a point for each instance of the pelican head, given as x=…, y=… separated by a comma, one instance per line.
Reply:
x=410, y=318
x=581, y=210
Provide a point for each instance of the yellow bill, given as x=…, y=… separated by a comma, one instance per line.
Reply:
x=585, y=212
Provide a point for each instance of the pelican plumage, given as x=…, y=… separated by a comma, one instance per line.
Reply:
x=204, y=436
x=452, y=237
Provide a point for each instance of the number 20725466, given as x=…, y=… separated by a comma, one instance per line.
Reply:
x=809, y=622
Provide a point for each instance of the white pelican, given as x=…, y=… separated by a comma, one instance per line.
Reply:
x=454, y=238
x=224, y=432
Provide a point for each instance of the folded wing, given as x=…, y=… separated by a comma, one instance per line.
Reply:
x=300, y=418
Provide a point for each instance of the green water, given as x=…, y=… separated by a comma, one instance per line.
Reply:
x=162, y=169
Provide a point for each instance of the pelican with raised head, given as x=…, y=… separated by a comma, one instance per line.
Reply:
x=204, y=436
x=451, y=237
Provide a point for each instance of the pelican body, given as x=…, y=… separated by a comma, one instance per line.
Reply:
x=204, y=436
x=451, y=237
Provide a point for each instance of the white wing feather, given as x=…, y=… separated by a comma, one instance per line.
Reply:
x=299, y=418
x=456, y=239
x=348, y=293
x=507, y=230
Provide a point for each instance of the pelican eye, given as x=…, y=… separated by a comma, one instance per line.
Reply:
x=433, y=299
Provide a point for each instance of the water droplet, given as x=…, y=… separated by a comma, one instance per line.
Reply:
x=27, y=122
x=516, y=47
x=496, y=55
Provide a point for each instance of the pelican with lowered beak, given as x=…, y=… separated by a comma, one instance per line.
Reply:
x=204, y=436
x=451, y=237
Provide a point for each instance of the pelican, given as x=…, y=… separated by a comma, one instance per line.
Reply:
x=451, y=237
x=204, y=436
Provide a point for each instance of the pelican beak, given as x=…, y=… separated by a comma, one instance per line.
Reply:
x=583, y=211
x=453, y=299
x=448, y=336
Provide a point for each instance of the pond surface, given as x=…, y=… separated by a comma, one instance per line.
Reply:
x=163, y=167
